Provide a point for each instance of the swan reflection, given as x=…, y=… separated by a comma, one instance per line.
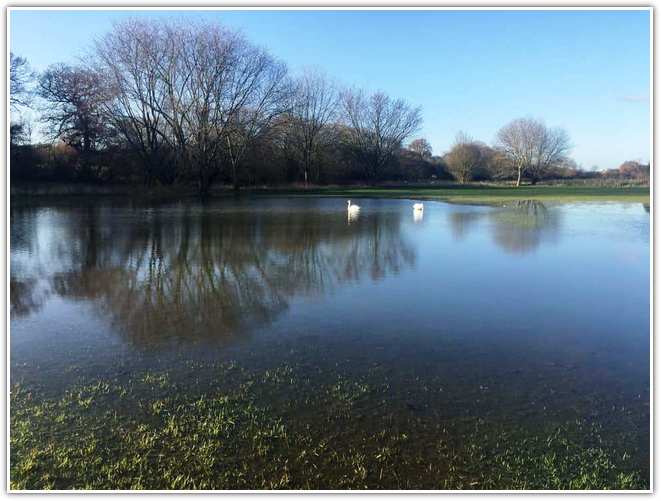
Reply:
x=352, y=216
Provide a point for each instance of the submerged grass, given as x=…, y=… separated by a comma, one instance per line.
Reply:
x=278, y=429
x=475, y=193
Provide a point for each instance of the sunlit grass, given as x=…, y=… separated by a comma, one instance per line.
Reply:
x=494, y=193
x=279, y=429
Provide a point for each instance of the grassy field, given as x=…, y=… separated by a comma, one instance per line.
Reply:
x=470, y=193
x=475, y=193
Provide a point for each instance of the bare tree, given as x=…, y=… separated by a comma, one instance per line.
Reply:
x=633, y=169
x=20, y=94
x=194, y=94
x=72, y=111
x=171, y=92
x=532, y=148
x=421, y=148
x=464, y=158
x=263, y=94
x=378, y=126
x=20, y=76
x=315, y=104
x=221, y=92
x=129, y=59
x=20, y=132
x=205, y=89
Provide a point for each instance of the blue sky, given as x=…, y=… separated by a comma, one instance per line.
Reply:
x=587, y=71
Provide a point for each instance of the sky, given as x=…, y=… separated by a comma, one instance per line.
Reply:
x=473, y=71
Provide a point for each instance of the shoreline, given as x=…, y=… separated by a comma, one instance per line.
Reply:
x=472, y=193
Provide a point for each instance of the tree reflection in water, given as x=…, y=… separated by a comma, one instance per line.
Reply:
x=462, y=222
x=518, y=227
x=26, y=296
x=524, y=225
x=189, y=273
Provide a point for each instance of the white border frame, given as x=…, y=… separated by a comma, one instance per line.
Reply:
x=366, y=5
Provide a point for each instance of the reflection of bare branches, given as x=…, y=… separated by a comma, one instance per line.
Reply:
x=521, y=227
x=518, y=227
x=168, y=275
x=461, y=222
x=23, y=220
x=25, y=297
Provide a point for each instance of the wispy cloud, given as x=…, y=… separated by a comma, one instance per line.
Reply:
x=633, y=99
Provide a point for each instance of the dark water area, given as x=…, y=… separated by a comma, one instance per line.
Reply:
x=459, y=321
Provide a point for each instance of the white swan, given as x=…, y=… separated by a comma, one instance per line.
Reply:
x=418, y=206
x=352, y=208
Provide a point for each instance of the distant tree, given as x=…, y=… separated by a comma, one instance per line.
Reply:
x=315, y=105
x=490, y=165
x=440, y=168
x=568, y=168
x=20, y=76
x=421, y=148
x=20, y=94
x=23, y=158
x=19, y=133
x=377, y=126
x=632, y=169
x=464, y=158
x=72, y=112
x=532, y=148
x=413, y=167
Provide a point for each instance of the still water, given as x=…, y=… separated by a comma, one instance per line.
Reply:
x=524, y=313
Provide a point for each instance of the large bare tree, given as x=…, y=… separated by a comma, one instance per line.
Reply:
x=196, y=92
x=315, y=105
x=532, y=148
x=130, y=59
x=261, y=91
x=377, y=127
x=222, y=91
x=72, y=96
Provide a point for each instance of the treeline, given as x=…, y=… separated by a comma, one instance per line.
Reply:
x=163, y=103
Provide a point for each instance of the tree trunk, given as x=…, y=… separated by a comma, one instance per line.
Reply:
x=518, y=179
x=205, y=179
x=235, y=178
x=203, y=186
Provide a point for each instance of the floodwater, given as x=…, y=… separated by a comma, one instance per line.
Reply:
x=526, y=313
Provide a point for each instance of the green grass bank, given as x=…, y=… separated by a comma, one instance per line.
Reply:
x=489, y=193
x=469, y=193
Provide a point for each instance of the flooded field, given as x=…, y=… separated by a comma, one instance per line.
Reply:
x=274, y=342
